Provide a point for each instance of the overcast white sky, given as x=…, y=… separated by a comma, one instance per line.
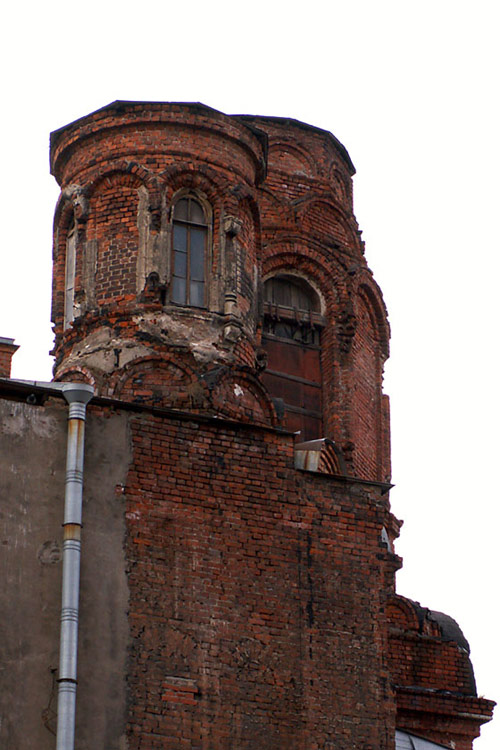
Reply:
x=411, y=89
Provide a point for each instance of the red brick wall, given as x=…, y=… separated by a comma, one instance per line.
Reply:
x=308, y=228
x=443, y=717
x=295, y=216
x=423, y=661
x=244, y=577
x=5, y=361
x=435, y=688
x=366, y=397
x=422, y=655
x=7, y=351
x=113, y=224
x=257, y=592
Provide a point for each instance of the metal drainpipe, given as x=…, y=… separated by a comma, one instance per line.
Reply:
x=77, y=395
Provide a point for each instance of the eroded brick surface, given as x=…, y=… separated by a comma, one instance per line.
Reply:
x=262, y=610
x=278, y=195
x=245, y=575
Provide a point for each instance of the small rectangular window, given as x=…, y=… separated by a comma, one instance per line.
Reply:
x=190, y=233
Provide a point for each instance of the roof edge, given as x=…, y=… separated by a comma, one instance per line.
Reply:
x=121, y=105
x=305, y=126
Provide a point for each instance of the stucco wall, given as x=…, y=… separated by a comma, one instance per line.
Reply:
x=32, y=472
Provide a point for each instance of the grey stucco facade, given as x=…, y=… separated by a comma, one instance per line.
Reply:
x=32, y=476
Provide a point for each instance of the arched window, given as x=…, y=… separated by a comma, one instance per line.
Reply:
x=189, y=253
x=292, y=338
x=69, y=282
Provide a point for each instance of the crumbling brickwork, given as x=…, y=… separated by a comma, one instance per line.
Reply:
x=210, y=283
x=278, y=195
x=244, y=578
x=432, y=673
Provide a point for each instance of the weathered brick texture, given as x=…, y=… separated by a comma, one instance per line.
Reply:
x=432, y=674
x=7, y=351
x=244, y=579
x=262, y=609
x=121, y=168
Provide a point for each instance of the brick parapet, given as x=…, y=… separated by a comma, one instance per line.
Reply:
x=450, y=719
x=428, y=658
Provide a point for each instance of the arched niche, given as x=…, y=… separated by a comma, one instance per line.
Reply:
x=239, y=395
x=159, y=381
x=285, y=157
x=191, y=249
x=113, y=229
x=291, y=336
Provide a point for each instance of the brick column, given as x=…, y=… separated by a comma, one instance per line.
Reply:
x=7, y=351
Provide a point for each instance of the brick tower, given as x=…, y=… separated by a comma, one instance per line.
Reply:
x=191, y=248
x=210, y=283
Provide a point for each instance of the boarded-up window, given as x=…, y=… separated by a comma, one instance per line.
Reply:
x=69, y=291
x=292, y=338
x=189, y=249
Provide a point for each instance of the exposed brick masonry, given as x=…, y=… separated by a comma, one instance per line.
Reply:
x=7, y=351
x=244, y=577
x=121, y=167
x=262, y=606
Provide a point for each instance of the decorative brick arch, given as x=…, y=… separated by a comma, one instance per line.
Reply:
x=240, y=395
x=247, y=202
x=114, y=177
x=64, y=215
x=291, y=155
x=64, y=212
x=163, y=381
x=76, y=374
x=369, y=414
x=96, y=175
x=342, y=184
x=303, y=257
x=73, y=198
x=321, y=216
x=113, y=237
x=277, y=203
x=294, y=338
x=401, y=613
x=368, y=290
x=145, y=178
x=296, y=256
x=198, y=178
